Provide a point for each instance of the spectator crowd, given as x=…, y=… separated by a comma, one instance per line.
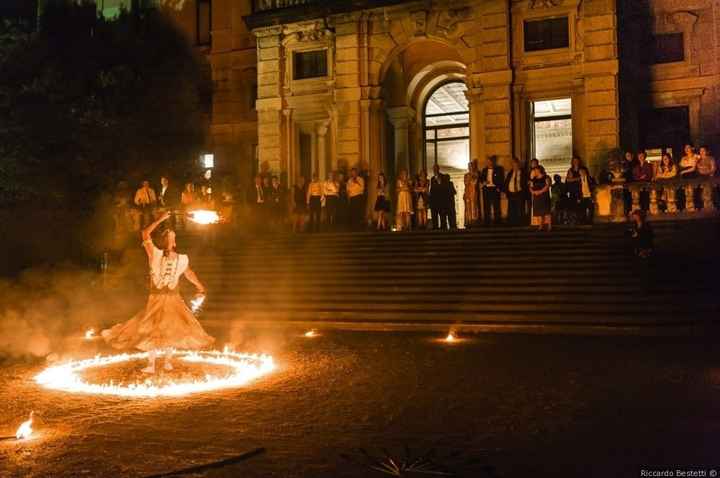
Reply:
x=339, y=202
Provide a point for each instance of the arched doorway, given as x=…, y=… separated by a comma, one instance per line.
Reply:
x=446, y=133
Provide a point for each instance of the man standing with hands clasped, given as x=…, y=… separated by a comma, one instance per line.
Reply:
x=492, y=178
x=356, y=195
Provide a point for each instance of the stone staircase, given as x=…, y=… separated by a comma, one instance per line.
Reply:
x=572, y=276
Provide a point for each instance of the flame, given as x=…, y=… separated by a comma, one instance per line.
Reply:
x=196, y=303
x=244, y=369
x=450, y=337
x=204, y=216
x=25, y=429
x=311, y=333
x=90, y=334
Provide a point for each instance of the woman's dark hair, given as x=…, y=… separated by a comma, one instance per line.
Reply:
x=671, y=163
x=384, y=179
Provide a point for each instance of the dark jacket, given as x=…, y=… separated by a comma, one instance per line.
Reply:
x=171, y=198
x=498, y=177
x=522, y=185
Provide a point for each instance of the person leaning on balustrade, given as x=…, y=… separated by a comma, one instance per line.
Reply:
x=665, y=170
x=688, y=163
x=706, y=164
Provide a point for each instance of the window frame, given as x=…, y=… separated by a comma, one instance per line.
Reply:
x=656, y=35
x=198, y=4
x=294, y=60
x=526, y=21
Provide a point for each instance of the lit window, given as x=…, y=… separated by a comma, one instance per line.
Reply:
x=208, y=161
x=309, y=64
x=547, y=34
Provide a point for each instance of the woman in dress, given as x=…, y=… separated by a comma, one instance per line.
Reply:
x=165, y=323
x=421, y=203
x=382, y=205
x=470, y=196
x=540, y=190
x=404, y=202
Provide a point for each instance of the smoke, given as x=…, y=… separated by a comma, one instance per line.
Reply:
x=47, y=309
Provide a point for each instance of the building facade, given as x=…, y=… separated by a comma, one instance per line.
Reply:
x=304, y=86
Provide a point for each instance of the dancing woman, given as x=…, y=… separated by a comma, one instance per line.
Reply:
x=166, y=322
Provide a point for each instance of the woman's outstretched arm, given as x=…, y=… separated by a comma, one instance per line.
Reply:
x=147, y=232
x=190, y=275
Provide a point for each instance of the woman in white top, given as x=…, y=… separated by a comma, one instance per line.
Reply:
x=165, y=322
x=688, y=163
x=404, y=202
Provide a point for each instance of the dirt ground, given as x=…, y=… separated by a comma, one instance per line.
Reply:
x=559, y=406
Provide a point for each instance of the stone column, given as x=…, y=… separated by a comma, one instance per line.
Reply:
x=400, y=118
x=599, y=43
x=269, y=103
x=321, y=142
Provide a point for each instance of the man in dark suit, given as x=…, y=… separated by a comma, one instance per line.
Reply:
x=515, y=188
x=168, y=198
x=438, y=198
x=492, y=179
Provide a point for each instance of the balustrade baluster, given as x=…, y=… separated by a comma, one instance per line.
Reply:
x=654, y=209
x=671, y=199
x=707, y=196
x=689, y=198
x=635, y=198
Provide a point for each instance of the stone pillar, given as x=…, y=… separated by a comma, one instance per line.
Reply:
x=400, y=118
x=269, y=103
x=600, y=52
x=321, y=142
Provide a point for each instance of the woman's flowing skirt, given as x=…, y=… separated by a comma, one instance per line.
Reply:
x=166, y=322
x=405, y=204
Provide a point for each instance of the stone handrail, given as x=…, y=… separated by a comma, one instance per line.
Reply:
x=267, y=5
x=611, y=199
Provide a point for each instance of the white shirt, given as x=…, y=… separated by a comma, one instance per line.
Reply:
x=355, y=186
x=489, y=178
x=165, y=271
x=585, y=186
x=514, y=185
x=330, y=188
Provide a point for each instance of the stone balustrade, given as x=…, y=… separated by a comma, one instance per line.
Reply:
x=663, y=199
x=267, y=5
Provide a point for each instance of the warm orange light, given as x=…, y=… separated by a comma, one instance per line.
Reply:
x=89, y=334
x=204, y=216
x=450, y=337
x=243, y=368
x=25, y=429
x=311, y=333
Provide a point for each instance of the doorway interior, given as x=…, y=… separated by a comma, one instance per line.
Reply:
x=446, y=124
x=551, y=134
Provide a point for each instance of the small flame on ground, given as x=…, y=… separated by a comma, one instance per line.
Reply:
x=25, y=429
x=311, y=333
x=89, y=334
x=204, y=216
x=451, y=337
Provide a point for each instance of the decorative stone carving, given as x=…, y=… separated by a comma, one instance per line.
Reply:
x=447, y=22
x=420, y=21
x=684, y=19
x=544, y=3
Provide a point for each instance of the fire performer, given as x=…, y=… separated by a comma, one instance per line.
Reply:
x=166, y=322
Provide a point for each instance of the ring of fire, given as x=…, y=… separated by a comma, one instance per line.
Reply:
x=244, y=368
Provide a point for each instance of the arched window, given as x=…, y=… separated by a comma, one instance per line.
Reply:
x=447, y=136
